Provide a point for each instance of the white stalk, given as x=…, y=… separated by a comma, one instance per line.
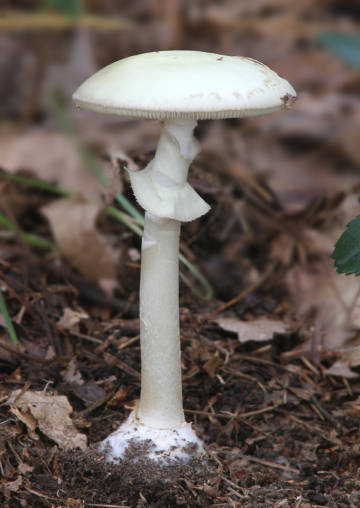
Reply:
x=162, y=189
x=160, y=404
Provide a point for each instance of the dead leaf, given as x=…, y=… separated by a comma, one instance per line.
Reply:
x=119, y=396
x=259, y=330
x=89, y=392
x=72, y=375
x=71, y=318
x=73, y=225
x=52, y=416
x=26, y=418
x=52, y=157
x=212, y=365
x=341, y=368
x=12, y=486
x=24, y=468
x=335, y=299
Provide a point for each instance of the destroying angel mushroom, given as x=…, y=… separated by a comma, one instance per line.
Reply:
x=178, y=87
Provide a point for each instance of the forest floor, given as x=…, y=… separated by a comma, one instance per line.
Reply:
x=270, y=356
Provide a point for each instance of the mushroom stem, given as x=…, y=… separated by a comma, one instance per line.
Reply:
x=165, y=181
x=160, y=404
x=162, y=188
x=176, y=149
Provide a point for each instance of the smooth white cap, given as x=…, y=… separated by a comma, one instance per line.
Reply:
x=185, y=84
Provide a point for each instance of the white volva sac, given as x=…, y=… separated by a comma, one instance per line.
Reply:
x=179, y=87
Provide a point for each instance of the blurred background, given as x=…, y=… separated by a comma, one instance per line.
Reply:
x=282, y=187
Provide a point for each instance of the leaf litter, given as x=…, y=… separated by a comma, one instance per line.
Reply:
x=49, y=413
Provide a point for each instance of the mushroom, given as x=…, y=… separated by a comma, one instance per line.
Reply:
x=179, y=88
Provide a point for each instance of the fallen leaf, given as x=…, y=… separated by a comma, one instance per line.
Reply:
x=12, y=486
x=119, y=396
x=259, y=330
x=52, y=415
x=352, y=353
x=334, y=298
x=24, y=468
x=71, y=318
x=72, y=375
x=89, y=392
x=74, y=226
x=341, y=368
x=212, y=365
x=52, y=157
x=28, y=419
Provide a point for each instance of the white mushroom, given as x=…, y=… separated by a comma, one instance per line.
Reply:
x=178, y=87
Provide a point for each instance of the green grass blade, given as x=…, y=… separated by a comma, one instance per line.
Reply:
x=8, y=322
x=207, y=291
x=29, y=238
x=125, y=203
x=6, y=222
x=124, y=218
x=34, y=182
x=37, y=241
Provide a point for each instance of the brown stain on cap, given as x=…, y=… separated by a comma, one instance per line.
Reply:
x=288, y=100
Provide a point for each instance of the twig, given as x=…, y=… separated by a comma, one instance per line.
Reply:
x=59, y=499
x=237, y=298
x=233, y=485
x=96, y=404
x=230, y=416
x=325, y=414
x=271, y=464
x=85, y=337
x=24, y=355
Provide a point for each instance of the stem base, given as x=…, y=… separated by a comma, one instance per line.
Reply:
x=163, y=446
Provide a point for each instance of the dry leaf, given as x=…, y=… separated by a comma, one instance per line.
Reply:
x=52, y=415
x=212, y=365
x=72, y=375
x=28, y=419
x=73, y=225
x=71, y=318
x=259, y=330
x=12, y=486
x=89, y=392
x=335, y=299
x=52, y=157
x=24, y=468
x=119, y=396
x=341, y=368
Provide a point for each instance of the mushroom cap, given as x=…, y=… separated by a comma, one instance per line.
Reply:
x=185, y=85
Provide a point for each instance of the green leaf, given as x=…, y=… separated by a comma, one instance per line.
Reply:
x=345, y=46
x=347, y=249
